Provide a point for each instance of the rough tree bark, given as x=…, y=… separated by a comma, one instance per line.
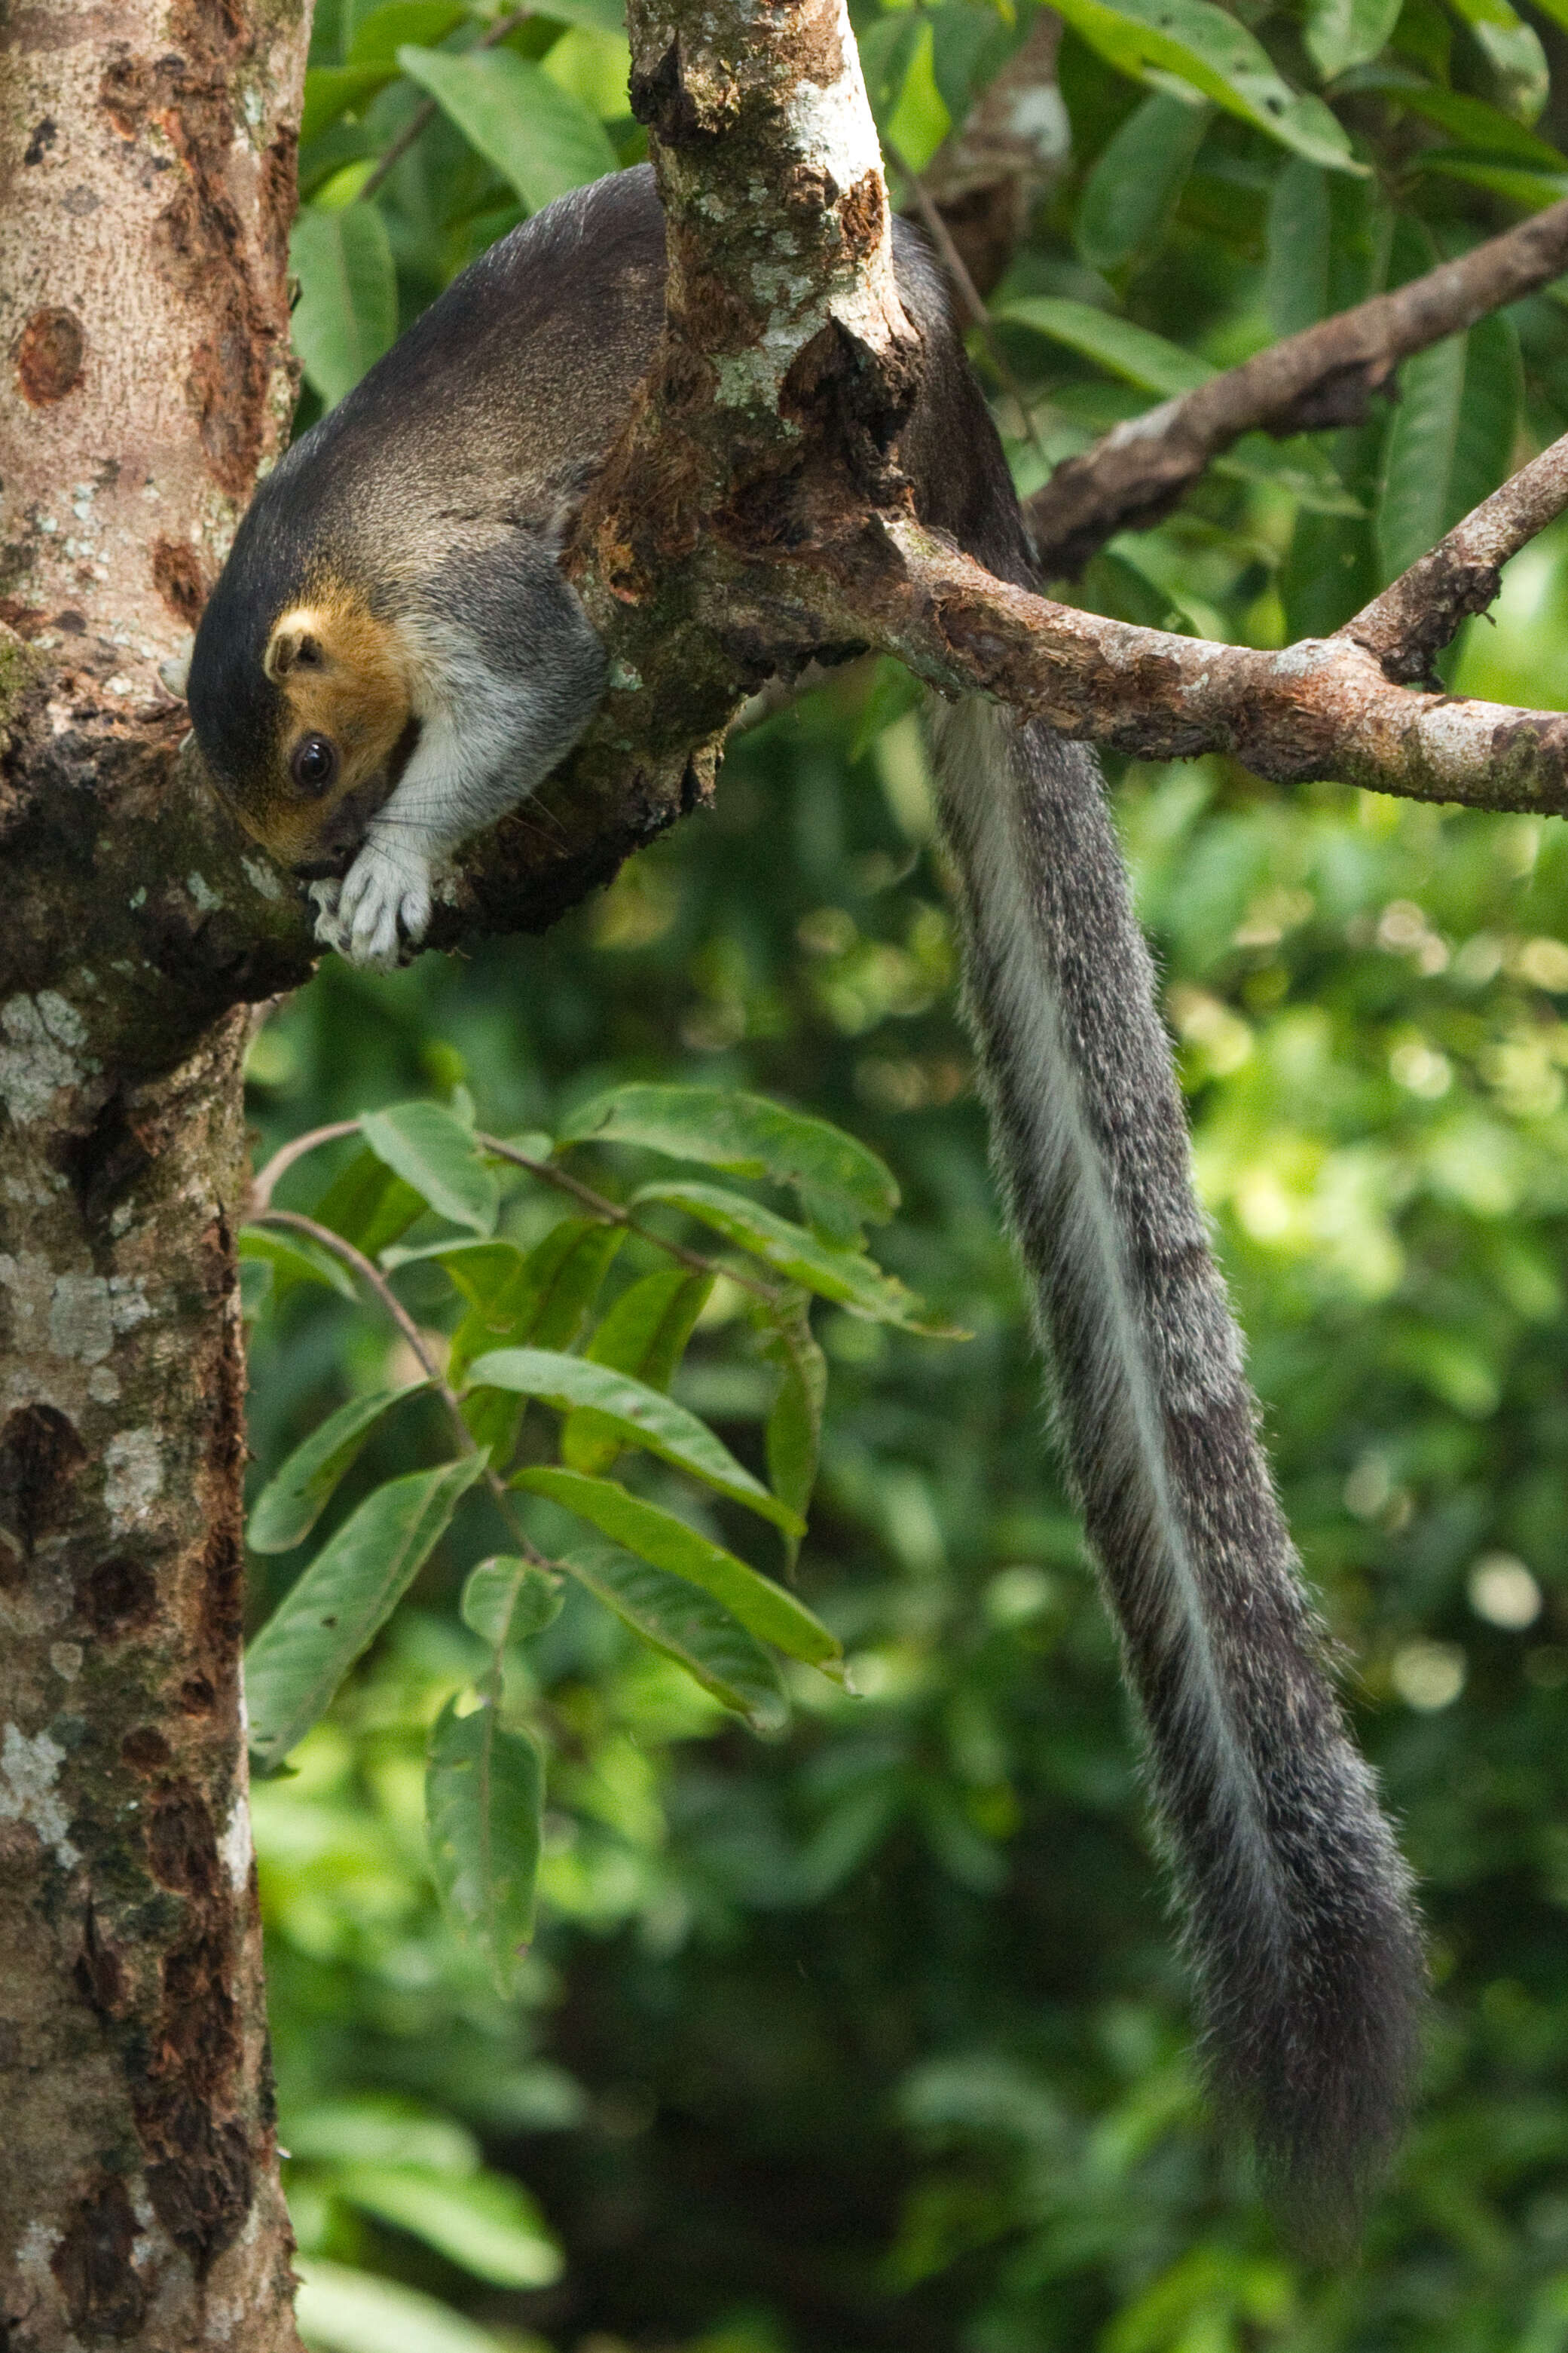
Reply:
x=146, y=184
x=752, y=517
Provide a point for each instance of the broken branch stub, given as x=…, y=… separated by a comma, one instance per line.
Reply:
x=1417, y=615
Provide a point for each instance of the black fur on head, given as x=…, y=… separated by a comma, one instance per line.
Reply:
x=237, y=710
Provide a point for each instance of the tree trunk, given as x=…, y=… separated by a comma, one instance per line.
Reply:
x=146, y=180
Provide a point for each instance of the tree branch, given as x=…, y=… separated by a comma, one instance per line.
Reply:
x=1323, y=376
x=1321, y=708
x=750, y=516
x=1414, y=618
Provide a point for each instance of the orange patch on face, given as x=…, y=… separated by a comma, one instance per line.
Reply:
x=342, y=676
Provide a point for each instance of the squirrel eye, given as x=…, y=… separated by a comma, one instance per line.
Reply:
x=314, y=764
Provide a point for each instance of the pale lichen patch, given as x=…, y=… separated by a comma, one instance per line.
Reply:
x=234, y=1848
x=79, y=1323
x=132, y=1476
x=39, y=1036
x=29, y=1770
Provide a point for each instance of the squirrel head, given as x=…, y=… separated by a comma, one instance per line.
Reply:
x=304, y=714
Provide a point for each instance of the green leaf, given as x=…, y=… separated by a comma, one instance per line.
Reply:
x=656, y=1536
x=793, y=1432
x=688, y=1626
x=368, y=1204
x=430, y=1148
x=293, y=1500
x=375, y=35
x=255, y=1286
x=645, y=1332
x=1450, y=441
x=346, y=316
x=546, y=1299
x=1530, y=190
x=1471, y=122
x=1299, y=465
x=545, y=1302
x=338, y=2310
x=969, y=44
x=535, y=133
x=887, y=49
x=1116, y=344
x=641, y=1416
x=851, y=1832
x=1341, y=34
x=1512, y=49
x=506, y=1600
x=1329, y=569
x=483, y=2221
x=1206, y=46
x=1129, y=196
x=295, y=1258
x=343, y=1600
x=745, y=1135
x=331, y=90
x=484, y=1795
x=533, y=1144
x=478, y=1270
x=843, y=1275
x=1113, y=585
x=381, y=2129
x=1300, y=231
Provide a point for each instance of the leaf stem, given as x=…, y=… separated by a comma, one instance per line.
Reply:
x=613, y=1214
x=264, y=1184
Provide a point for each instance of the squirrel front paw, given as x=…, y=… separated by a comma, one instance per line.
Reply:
x=381, y=910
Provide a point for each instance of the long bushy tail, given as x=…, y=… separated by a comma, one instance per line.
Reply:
x=1297, y=1904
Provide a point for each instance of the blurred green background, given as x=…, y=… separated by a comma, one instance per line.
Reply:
x=875, y=2036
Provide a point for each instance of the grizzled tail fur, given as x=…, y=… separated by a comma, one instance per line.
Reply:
x=1299, y=1922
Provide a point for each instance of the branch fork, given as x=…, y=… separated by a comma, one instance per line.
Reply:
x=751, y=519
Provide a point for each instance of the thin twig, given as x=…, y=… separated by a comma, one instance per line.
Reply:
x=371, y=1274
x=263, y=1185
x=613, y=1214
x=1416, y=618
x=973, y=299
x=425, y=113
x=1324, y=376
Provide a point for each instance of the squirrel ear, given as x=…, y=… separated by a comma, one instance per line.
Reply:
x=174, y=669
x=295, y=644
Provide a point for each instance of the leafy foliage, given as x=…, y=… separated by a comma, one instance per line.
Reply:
x=870, y=2033
x=484, y=1785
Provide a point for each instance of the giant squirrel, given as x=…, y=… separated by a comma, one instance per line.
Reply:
x=391, y=659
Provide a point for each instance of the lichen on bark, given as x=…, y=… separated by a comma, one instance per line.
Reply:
x=145, y=187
